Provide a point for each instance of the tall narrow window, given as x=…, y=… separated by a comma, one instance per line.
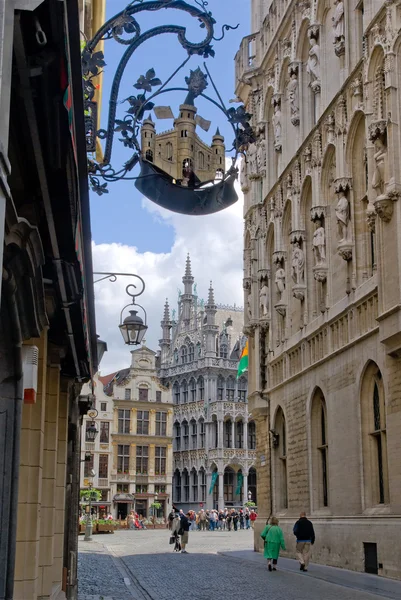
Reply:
x=215, y=433
x=127, y=394
x=169, y=151
x=184, y=355
x=280, y=461
x=177, y=486
x=194, y=435
x=184, y=392
x=230, y=389
x=177, y=428
x=229, y=485
x=191, y=352
x=185, y=477
x=142, y=454
x=242, y=387
x=192, y=384
x=160, y=460
x=194, y=486
x=202, y=433
x=103, y=466
x=202, y=476
x=220, y=388
x=239, y=434
x=176, y=393
x=143, y=394
x=323, y=454
x=123, y=421
x=161, y=423
x=88, y=466
x=104, y=432
x=252, y=435
x=122, y=458
x=227, y=434
x=185, y=440
x=379, y=439
x=142, y=422
x=201, y=388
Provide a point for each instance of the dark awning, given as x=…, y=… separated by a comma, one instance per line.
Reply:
x=123, y=498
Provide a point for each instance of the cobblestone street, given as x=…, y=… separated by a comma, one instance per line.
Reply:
x=141, y=565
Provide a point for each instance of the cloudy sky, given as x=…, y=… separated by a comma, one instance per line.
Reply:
x=133, y=235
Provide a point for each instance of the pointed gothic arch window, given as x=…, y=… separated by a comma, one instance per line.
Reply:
x=185, y=435
x=177, y=436
x=202, y=431
x=202, y=477
x=177, y=486
x=201, y=388
x=185, y=481
x=242, y=388
x=194, y=485
x=184, y=390
x=169, y=151
x=228, y=429
x=191, y=352
x=194, y=434
x=192, y=390
x=251, y=435
x=230, y=389
x=280, y=459
x=223, y=351
x=220, y=387
x=201, y=160
x=176, y=392
x=320, y=450
x=239, y=434
x=184, y=355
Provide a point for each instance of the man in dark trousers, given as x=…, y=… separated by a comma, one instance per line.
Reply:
x=305, y=534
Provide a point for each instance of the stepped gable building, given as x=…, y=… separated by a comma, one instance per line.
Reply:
x=181, y=147
x=133, y=456
x=214, y=436
x=321, y=271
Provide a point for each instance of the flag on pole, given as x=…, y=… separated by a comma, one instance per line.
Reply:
x=243, y=361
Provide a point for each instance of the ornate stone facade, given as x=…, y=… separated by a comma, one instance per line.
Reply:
x=322, y=235
x=213, y=436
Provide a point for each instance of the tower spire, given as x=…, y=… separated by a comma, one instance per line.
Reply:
x=166, y=316
x=165, y=341
x=188, y=272
x=210, y=298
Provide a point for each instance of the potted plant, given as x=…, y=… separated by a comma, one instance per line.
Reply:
x=250, y=504
x=105, y=526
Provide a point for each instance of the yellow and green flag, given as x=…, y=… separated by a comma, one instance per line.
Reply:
x=243, y=361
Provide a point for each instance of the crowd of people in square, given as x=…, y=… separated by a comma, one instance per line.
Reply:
x=227, y=519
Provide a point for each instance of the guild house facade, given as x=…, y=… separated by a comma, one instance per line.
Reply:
x=214, y=436
x=322, y=189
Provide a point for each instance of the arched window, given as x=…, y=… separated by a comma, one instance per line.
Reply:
x=176, y=392
x=185, y=435
x=252, y=479
x=228, y=429
x=374, y=440
x=194, y=485
x=201, y=158
x=184, y=390
x=194, y=434
x=280, y=461
x=219, y=173
x=202, y=431
x=177, y=437
x=215, y=432
x=230, y=389
x=239, y=434
x=251, y=435
x=242, y=388
x=319, y=439
x=185, y=481
x=202, y=477
x=191, y=352
x=177, y=486
x=184, y=133
x=201, y=388
x=149, y=155
x=223, y=351
x=184, y=355
x=192, y=390
x=220, y=388
x=229, y=479
x=169, y=151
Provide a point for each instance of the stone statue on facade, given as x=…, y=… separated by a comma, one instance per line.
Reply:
x=297, y=264
x=277, y=126
x=280, y=280
x=261, y=153
x=338, y=27
x=380, y=156
x=249, y=307
x=252, y=159
x=343, y=216
x=313, y=64
x=244, y=175
x=319, y=243
x=292, y=91
x=264, y=300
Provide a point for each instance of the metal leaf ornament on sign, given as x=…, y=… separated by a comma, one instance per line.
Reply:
x=187, y=193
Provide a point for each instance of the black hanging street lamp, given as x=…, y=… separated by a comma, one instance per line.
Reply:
x=91, y=432
x=186, y=192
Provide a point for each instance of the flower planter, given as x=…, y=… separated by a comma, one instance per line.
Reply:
x=105, y=528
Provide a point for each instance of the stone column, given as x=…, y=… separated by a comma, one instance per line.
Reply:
x=26, y=583
x=245, y=489
x=221, y=434
x=221, y=490
x=48, y=507
x=60, y=484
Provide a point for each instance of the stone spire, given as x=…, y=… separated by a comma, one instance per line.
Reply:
x=165, y=341
x=211, y=329
x=187, y=297
x=188, y=280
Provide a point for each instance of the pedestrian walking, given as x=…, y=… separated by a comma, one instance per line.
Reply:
x=175, y=532
x=184, y=531
x=202, y=520
x=253, y=517
x=241, y=519
x=247, y=520
x=235, y=517
x=274, y=540
x=170, y=519
x=228, y=521
x=305, y=534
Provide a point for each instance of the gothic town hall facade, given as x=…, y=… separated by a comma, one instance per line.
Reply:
x=214, y=437
x=322, y=277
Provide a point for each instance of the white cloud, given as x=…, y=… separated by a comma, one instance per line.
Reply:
x=215, y=244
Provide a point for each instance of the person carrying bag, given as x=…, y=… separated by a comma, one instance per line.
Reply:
x=274, y=540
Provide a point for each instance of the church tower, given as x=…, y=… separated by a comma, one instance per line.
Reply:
x=165, y=342
x=218, y=151
x=187, y=297
x=185, y=126
x=211, y=329
x=148, y=139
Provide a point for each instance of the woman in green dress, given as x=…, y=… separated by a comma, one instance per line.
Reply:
x=274, y=540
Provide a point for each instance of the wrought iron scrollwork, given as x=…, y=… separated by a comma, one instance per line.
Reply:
x=125, y=30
